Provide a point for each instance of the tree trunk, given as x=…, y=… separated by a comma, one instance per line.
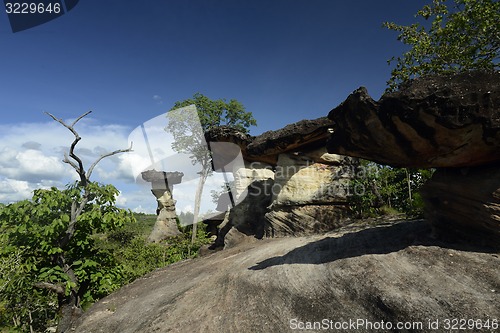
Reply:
x=197, y=201
x=408, y=181
x=69, y=312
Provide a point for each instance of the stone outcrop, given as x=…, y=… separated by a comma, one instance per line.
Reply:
x=162, y=186
x=391, y=273
x=451, y=123
x=306, y=187
x=438, y=121
x=465, y=201
x=245, y=175
x=248, y=216
x=302, y=135
x=309, y=197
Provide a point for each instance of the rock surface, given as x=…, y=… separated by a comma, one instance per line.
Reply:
x=309, y=193
x=391, y=273
x=436, y=121
x=300, y=220
x=303, y=135
x=298, y=180
x=162, y=185
x=247, y=174
x=248, y=217
x=465, y=201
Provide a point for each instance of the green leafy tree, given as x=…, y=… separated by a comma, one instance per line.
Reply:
x=379, y=189
x=50, y=240
x=461, y=38
x=189, y=136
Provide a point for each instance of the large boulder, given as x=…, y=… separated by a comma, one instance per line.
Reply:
x=309, y=192
x=309, y=197
x=301, y=181
x=303, y=135
x=247, y=218
x=247, y=174
x=465, y=202
x=435, y=121
x=387, y=274
x=300, y=220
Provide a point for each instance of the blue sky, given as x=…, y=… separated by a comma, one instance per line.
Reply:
x=129, y=61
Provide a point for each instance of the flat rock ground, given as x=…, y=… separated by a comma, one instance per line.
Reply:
x=373, y=276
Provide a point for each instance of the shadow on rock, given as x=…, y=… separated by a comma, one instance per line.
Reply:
x=381, y=239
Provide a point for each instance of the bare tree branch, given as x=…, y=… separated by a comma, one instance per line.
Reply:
x=67, y=160
x=79, y=118
x=119, y=151
x=58, y=289
x=80, y=170
x=77, y=208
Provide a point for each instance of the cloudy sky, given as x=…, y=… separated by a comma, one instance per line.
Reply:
x=129, y=61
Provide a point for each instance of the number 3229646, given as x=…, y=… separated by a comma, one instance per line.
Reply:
x=32, y=8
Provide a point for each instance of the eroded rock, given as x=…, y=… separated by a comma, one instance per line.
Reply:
x=162, y=185
x=391, y=273
x=465, y=201
x=436, y=121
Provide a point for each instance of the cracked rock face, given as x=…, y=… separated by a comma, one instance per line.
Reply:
x=437, y=121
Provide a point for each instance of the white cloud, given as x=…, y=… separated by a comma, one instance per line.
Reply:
x=187, y=208
x=31, y=155
x=12, y=190
x=121, y=200
x=140, y=209
x=158, y=99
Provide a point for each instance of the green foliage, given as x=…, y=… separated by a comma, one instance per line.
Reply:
x=34, y=251
x=113, y=253
x=129, y=247
x=379, y=190
x=213, y=113
x=463, y=38
x=189, y=133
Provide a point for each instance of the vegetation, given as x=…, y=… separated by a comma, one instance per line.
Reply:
x=22, y=307
x=461, y=38
x=47, y=269
x=64, y=249
x=378, y=190
x=189, y=133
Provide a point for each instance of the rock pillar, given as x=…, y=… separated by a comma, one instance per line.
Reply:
x=162, y=186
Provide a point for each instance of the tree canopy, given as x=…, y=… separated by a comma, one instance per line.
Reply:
x=47, y=247
x=188, y=131
x=213, y=113
x=461, y=37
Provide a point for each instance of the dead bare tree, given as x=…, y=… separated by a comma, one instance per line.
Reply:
x=69, y=305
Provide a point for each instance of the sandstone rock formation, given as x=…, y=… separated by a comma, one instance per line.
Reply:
x=306, y=186
x=265, y=148
x=391, y=273
x=309, y=197
x=248, y=216
x=437, y=121
x=465, y=201
x=162, y=185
